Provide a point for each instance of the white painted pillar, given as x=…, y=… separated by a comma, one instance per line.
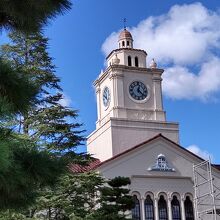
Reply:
x=117, y=94
x=157, y=91
x=169, y=208
x=156, y=209
x=182, y=209
x=158, y=102
x=142, y=208
x=98, y=91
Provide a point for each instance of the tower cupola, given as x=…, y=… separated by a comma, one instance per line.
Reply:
x=126, y=54
x=125, y=39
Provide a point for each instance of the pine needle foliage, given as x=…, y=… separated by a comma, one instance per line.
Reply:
x=74, y=195
x=31, y=155
x=115, y=201
x=84, y=196
x=30, y=15
x=38, y=136
x=14, y=85
x=27, y=169
x=48, y=122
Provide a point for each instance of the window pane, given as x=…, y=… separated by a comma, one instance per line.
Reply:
x=136, y=213
x=149, y=209
x=176, y=214
x=188, y=209
x=162, y=206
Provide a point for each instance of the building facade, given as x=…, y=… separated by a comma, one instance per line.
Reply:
x=134, y=139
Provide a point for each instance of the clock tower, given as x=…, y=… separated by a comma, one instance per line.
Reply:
x=129, y=102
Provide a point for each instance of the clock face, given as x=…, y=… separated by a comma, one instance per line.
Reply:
x=138, y=90
x=106, y=97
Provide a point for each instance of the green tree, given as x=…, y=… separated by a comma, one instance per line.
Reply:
x=13, y=86
x=30, y=15
x=74, y=196
x=24, y=166
x=28, y=169
x=84, y=196
x=40, y=137
x=115, y=201
x=47, y=121
x=25, y=16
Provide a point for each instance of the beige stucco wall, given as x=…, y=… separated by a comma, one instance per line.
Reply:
x=102, y=140
x=135, y=165
x=138, y=161
x=118, y=135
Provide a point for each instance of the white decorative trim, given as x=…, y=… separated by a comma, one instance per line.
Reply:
x=149, y=193
x=162, y=194
x=190, y=196
x=177, y=195
x=136, y=193
x=161, y=164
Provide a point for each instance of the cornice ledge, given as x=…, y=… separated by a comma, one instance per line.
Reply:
x=161, y=176
x=116, y=75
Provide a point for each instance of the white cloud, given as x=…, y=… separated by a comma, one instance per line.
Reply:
x=187, y=36
x=181, y=83
x=65, y=101
x=198, y=151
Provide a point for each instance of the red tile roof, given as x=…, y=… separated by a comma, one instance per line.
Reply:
x=77, y=168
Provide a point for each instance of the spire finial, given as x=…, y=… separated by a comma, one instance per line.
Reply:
x=125, y=20
x=153, y=64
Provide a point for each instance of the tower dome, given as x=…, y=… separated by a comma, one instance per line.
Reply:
x=125, y=39
x=125, y=34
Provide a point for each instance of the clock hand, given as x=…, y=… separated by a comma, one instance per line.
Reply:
x=139, y=91
x=105, y=96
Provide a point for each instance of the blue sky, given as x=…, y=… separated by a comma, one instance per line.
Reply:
x=183, y=37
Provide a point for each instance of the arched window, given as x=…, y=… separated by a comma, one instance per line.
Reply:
x=136, y=212
x=149, y=208
x=175, y=209
x=188, y=209
x=123, y=43
x=127, y=43
x=162, y=208
x=129, y=60
x=161, y=160
x=136, y=61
